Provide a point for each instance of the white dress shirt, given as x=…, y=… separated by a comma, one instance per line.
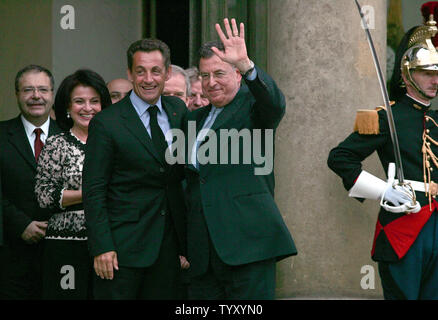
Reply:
x=29, y=128
x=141, y=108
x=214, y=112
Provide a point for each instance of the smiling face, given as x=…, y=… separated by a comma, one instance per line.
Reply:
x=35, y=96
x=220, y=80
x=85, y=103
x=148, y=75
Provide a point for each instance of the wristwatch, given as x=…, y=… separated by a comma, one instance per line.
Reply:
x=248, y=72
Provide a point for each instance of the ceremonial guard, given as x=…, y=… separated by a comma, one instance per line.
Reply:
x=406, y=235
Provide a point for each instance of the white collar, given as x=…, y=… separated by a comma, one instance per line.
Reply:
x=29, y=127
x=141, y=106
x=424, y=104
x=215, y=110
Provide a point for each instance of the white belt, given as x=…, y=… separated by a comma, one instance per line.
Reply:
x=416, y=185
x=406, y=207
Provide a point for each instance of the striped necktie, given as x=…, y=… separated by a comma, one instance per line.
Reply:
x=38, y=144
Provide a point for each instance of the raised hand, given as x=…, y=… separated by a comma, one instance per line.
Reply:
x=235, y=47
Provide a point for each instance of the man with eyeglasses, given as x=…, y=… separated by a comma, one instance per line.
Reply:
x=21, y=141
x=235, y=232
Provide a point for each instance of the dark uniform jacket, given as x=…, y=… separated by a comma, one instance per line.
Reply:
x=395, y=232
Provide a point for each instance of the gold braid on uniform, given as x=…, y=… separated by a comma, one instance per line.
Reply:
x=428, y=155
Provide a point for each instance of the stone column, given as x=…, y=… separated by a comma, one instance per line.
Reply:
x=319, y=56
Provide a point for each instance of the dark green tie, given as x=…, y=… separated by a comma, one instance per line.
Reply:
x=156, y=133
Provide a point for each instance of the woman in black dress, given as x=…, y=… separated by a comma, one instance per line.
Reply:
x=67, y=266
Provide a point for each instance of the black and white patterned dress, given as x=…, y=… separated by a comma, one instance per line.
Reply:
x=60, y=168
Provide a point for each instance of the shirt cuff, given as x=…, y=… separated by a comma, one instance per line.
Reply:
x=252, y=75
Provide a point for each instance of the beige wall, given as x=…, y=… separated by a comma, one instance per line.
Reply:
x=25, y=38
x=320, y=58
x=104, y=29
x=31, y=33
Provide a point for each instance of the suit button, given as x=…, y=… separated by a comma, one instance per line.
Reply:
x=162, y=169
x=163, y=212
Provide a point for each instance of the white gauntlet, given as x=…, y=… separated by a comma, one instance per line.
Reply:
x=401, y=196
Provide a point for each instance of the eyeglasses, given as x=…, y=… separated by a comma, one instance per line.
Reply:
x=32, y=90
x=216, y=75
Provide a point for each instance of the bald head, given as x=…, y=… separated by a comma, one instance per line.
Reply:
x=118, y=89
x=178, y=84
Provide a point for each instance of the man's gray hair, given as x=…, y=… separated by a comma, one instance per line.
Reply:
x=178, y=70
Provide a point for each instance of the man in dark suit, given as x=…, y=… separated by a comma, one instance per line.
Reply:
x=235, y=230
x=21, y=140
x=134, y=203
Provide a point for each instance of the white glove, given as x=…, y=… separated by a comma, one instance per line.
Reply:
x=370, y=187
x=397, y=195
x=401, y=196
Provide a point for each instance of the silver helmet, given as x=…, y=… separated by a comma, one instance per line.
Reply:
x=421, y=54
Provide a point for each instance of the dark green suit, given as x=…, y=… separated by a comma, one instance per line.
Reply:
x=229, y=204
x=130, y=194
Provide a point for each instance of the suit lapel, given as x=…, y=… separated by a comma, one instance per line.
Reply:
x=174, y=116
x=228, y=113
x=18, y=138
x=199, y=116
x=53, y=128
x=133, y=123
x=171, y=112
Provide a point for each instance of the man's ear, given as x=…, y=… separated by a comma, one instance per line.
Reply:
x=129, y=74
x=169, y=72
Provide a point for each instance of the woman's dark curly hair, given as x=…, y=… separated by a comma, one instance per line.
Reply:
x=84, y=77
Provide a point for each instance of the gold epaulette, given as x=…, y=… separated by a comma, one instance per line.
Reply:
x=367, y=121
